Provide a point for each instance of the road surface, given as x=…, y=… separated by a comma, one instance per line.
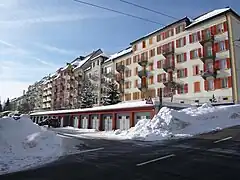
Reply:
x=209, y=156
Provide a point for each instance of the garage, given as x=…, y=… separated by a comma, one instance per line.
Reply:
x=95, y=122
x=84, y=121
x=75, y=121
x=107, y=122
x=123, y=122
x=141, y=115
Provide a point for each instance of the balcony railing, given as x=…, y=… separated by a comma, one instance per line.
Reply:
x=168, y=51
x=209, y=73
x=207, y=38
x=143, y=61
x=208, y=56
x=172, y=83
x=120, y=67
x=168, y=66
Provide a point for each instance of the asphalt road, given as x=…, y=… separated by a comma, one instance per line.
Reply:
x=209, y=156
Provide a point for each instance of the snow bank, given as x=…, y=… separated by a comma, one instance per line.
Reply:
x=73, y=130
x=24, y=145
x=169, y=123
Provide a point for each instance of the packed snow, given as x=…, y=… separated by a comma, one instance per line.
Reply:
x=25, y=145
x=169, y=123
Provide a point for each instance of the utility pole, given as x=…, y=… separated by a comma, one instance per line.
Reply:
x=160, y=99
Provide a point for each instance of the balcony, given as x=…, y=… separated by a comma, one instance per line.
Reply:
x=207, y=56
x=142, y=73
x=209, y=74
x=171, y=83
x=168, y=51
x=142, y=87
x=168, y=66
x=120, y=68
x=206, y=39
x=143, y=61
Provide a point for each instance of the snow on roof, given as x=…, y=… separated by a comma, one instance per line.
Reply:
x=208, y=15
x=100, y=55
x=81, y=62
x=87, y=69
x=133, y=104
x=120, y=53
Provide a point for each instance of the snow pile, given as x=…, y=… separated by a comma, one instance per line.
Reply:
x=169, y=123
x=24, y=145
x=187, y=122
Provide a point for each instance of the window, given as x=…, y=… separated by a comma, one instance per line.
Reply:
x=134, y=47
x=181, y=57
x=209, y=67
x=195, y=53
x=224, y=83
x=161, y=77
x=183, y=89
x=135, y=58
x=194, y=37
x=143, y=44
x=207, y=33
x=136, y=83
x=222, y=46
x=197, y=87
x=128, y=84
x=210, y=84
x=150, y=40
x=158, y=37
x=222, y=64
x=136, y=71
x=144, y=56
x=196, y=70
x=128, y=97
x=136, y=95
x=159, y=50
x=179, y=28
x=181, y=42
x=93, y=64
x=220, y=28
x=152, y=52
x=151, y=67
x=159, y=64
x=182, y=73
x=209, y=51
x=128, y=73
x=151, y=80
x=128, y=61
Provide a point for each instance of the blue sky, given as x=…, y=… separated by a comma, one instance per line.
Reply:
x=37, y=37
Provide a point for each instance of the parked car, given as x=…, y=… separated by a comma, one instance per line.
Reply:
x=50, y=122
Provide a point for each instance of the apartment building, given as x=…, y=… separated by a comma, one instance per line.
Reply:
x=47, y=94
x=191, y=61
x=121, y=72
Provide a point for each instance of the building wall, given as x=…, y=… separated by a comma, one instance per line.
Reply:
x=234, y=34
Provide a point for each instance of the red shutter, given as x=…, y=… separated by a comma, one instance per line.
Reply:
x=204, y=67
x=172, y=32
x=190, y=38
x=186, y=88
x=185, y=56
x=177, y=43
x=206, y=85
x=178, y=57
x=230, y=81
x=203, y=32
x=199, y=52
x=203, y=52
x=185, y=72
x=225, y=26
x=228, y=63
x=191, y=54
x=197, y=70
x=194, y=70
x=178, y=73
x=173, y=60
x=217, y=64
x=217, y=84
x=226, y=44
x=198, y=35
x=172, y=44
x=184, y=41
x=214, y=29
x=216, y=47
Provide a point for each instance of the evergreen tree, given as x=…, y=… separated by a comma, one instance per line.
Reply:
x=112, y=95
x=7, y=106
x=87, y=96
x=24, y=108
